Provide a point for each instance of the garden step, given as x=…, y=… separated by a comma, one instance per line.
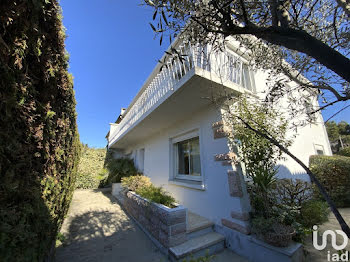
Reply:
x=244, y=229
x=209, y=243
x=244, y=216
x=197, y=225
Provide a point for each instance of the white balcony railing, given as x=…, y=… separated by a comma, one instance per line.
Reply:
x=225, y=65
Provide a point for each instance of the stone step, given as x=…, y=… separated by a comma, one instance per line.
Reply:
x=209, y=243
x=197, y=225
x=244, y=216
x=243, y=228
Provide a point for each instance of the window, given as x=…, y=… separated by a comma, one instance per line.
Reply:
x=248, y=78
x=187, y=159
x=319, y=149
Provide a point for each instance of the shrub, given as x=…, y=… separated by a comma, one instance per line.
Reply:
x=142, y=186
x=293, y=192
x=290, y=203
x=344, y=152
x=334, y=174
x=90, y=170
x=39, y=142
x=261, y=225
x=135, y=183
x=157, y=195
x=119, y=168
x=313, y=212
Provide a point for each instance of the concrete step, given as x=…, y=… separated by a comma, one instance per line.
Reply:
x=197, y=225
x=209, y=243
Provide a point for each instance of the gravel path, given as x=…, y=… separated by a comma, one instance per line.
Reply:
x=97, y=229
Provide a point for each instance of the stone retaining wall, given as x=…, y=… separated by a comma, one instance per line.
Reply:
x=167, y=225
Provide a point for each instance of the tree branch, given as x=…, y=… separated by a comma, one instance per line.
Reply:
x=273, y=10
x=337, y=113
x=324, y=107
x=244, y=11
x=297, y=80
x=345, y=5
x=301, y=41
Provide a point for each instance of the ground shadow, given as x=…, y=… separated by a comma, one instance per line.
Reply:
x=106, y=235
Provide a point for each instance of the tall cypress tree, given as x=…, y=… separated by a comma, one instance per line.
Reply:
x=39, y=142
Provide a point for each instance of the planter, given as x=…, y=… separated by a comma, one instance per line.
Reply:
x=282, y=236
x=166, y=225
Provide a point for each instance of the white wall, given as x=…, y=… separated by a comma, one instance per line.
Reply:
x=214, y=202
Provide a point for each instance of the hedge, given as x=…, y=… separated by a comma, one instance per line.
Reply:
x=344, y=152
x=39, y=143
x=90, y=170
x=334, y=174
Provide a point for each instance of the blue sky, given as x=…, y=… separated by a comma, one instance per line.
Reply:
x=112, y=52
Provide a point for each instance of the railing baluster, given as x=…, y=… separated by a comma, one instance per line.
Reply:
x=225, y=64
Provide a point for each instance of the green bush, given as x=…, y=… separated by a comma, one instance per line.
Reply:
x=344, y=152
x=39, y=142
x=142, y=186
x=157, y=195
x=334, y=174
x=313, y=212
x=293, y=192
x=119, y=168
x=261, y=225
x=135, y=183
x=90, y=170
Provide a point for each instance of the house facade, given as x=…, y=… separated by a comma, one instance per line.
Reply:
x=174, y=133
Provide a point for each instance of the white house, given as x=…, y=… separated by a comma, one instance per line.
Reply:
x=173, y=132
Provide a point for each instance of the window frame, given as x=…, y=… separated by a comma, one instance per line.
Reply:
x=319, y=147
x=174, y=156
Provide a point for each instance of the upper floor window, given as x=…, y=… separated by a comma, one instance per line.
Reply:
x=319, y=149
x=248, y=80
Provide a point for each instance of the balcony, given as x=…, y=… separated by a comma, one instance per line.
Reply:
x=200, y=68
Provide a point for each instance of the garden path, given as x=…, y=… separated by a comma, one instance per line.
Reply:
x=332, y=224
x=98, y=229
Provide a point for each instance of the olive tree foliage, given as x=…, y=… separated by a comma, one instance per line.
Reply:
x=288, y=38
x=258, y=155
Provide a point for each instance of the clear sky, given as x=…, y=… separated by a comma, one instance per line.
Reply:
x=112, y=52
